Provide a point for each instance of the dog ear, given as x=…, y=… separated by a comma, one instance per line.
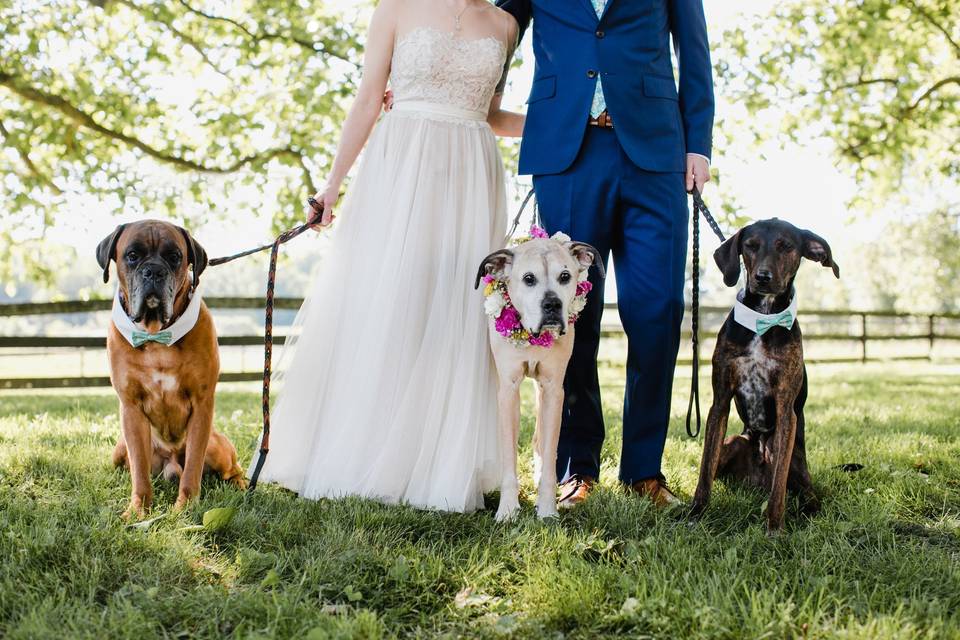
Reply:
x=196, y=256
x=816, y=248
x=493, y=263
x=586, y=255
x=107, y=249
x=727, y=257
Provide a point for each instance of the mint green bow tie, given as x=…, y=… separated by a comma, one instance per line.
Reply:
x=783, y=319
x=140, y=337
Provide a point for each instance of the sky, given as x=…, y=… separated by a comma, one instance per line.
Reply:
x=799, y=182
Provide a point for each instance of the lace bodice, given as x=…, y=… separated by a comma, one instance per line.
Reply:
x=437, y=66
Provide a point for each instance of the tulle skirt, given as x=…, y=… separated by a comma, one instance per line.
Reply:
x=387, y=384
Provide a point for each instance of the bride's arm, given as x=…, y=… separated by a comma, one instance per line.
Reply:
x=366, y=106
x=506, y=123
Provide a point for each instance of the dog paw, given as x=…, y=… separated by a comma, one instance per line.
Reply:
x=548, y=512
x=238, y=481
x=182, y=501
x=696, y=510
x=810, y=507
x=136, y=510
x=507, y=510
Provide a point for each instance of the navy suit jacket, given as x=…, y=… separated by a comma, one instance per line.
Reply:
x=628, y=47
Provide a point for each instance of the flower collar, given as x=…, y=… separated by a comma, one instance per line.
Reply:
x=506, y=317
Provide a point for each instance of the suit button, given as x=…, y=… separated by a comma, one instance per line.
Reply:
x=591, y=74
x=600, y=34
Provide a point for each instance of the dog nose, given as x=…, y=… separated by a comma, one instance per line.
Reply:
x=764, y=277
x=153, y=272
x=552, y=304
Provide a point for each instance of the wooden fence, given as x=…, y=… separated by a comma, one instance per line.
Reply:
x=865, y=329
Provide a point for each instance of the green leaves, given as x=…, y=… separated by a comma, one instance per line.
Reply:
x=155, y=99
x=216, y=519
x=880, y=78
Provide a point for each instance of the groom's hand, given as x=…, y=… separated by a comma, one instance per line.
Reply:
x=698, y=171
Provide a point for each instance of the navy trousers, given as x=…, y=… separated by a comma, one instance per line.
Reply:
x=641, y=217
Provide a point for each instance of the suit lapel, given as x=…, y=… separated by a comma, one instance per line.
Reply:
x=589, y=7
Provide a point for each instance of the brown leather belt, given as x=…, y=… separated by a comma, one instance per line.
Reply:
x=603, y=120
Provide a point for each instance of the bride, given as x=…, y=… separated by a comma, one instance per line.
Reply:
x=389, y=390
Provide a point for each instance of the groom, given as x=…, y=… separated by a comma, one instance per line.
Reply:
x=613, y=147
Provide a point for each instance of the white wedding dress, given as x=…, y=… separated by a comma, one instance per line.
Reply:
x=388, y=387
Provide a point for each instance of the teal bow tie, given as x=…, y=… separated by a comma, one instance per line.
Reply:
x=140, y=337
x=783, y=319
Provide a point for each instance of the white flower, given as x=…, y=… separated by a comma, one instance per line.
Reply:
x=583, y=275
x=494, y=304
x=560, y=236
x=578, y=305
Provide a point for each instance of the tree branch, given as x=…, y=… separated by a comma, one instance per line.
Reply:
x=25, y=158
x=84, y=119
x=933, y=89
x=862, y=82
x=187, y=40
x=310, y=46
x=311, y=187
x=936, y=25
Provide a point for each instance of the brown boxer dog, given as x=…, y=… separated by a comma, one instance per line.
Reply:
x=165, y=381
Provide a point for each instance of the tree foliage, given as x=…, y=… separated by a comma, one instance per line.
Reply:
x=915, y=265
x=881, y=78
x=187, y=108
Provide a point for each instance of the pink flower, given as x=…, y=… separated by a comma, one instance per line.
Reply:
x=538, y=232
x=487, y=279
x=545, y=339
x=583, y=288
x=508, y=321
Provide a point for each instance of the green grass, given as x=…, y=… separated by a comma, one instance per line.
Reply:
x=880, y=561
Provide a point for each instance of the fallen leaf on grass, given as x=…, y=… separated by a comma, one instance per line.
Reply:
x=629, y=606
x=272, y=579
x=143, y=525
x=218, y=518
x=334, y=609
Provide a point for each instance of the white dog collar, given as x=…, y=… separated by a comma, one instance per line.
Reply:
x=760, y=323
x=169, y=336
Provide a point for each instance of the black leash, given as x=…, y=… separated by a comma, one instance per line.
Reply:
x=516, y=218
x=699, y=207
x=274, y=247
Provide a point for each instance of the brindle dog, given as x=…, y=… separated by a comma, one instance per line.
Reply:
x=763, y=374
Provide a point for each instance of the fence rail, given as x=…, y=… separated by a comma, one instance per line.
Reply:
x=928, y=328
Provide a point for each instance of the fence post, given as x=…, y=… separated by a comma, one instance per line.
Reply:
x=931, y=320
x=863, y=337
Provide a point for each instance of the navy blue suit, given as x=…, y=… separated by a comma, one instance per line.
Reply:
x=620, y=189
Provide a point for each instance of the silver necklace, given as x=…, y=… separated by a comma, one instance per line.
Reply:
x=456, y=18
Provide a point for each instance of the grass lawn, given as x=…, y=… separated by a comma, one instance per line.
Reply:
x=882, y=560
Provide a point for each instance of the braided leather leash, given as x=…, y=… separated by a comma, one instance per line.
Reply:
x=274, y=247
x=699, y=207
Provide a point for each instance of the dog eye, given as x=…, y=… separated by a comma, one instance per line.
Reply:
x=564, y=277
x=173, y=258
x=752, y=245
x=132, y=256
x=785, y=247
x=529, y=279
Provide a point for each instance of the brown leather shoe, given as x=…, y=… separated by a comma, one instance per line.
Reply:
x=575, y=490
x=656, y=490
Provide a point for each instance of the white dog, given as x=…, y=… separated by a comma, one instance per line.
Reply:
x=534, y=292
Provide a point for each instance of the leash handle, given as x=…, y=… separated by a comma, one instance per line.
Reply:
x=284, y=237
x=693, y=406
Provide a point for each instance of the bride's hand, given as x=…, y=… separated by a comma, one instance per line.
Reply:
x=327, y=198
